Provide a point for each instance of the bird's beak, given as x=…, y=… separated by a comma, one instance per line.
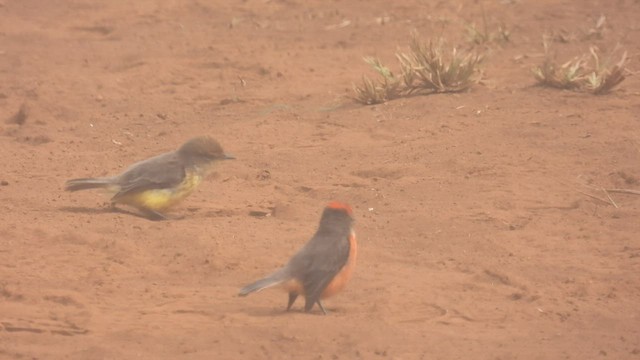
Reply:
x=228, y=157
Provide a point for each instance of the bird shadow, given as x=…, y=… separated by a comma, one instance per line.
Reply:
x=271, y=312
x=107, y=210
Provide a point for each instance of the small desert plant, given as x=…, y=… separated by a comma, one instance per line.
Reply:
x=605, y=77
x=481, y=36
x=376, y=92
x=579, y=74
x=425, y=69
x=566, y=76
x=478, y=36
x=595, y=32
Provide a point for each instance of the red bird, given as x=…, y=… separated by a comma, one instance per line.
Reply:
x=323, y=266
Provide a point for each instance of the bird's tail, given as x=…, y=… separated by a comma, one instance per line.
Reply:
x=87, y=183
x=271, y=280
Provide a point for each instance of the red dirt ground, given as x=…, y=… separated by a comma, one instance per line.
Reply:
x=477, y=237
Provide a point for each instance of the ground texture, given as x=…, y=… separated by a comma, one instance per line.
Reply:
x=483, y=228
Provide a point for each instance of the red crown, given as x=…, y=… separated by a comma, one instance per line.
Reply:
x=337, y=205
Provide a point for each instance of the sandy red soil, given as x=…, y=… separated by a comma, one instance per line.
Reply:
x=483, y=229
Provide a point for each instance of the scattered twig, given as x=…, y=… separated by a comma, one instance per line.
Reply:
x=610, y=199
x=594, y=197
x=624, y=191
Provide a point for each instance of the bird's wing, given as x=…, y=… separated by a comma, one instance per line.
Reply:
x=160, y=172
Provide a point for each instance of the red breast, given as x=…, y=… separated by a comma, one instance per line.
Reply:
x=334, y=211
x=342, y=277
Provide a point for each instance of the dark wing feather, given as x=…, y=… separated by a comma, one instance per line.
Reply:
x=160, y=172
x=320, y=260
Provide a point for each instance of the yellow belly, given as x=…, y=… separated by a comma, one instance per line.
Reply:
x=162, y=199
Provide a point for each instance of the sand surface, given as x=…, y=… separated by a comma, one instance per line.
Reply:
x=483, y=230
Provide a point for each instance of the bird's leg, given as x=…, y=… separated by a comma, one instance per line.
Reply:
x=321, y=307
x=292, y=298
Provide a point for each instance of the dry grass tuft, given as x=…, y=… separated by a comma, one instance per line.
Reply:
x=605, y=77
x=482, y=36
x=566, y=76
x=581, y=74
x=595, y=32
x=428, y=68
x=598, y=29
x=376, y=92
